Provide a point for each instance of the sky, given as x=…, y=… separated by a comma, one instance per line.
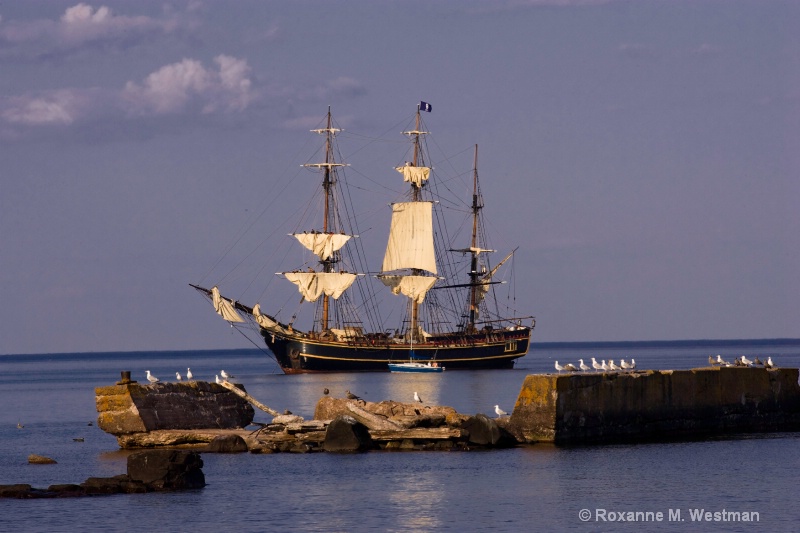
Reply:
x=644, y=155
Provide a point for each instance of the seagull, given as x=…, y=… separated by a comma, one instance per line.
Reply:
x=216, y=378
x=178, y=376
x=722, y=361
x=350, y=395
x=758, y=362
x=624, y=365
x=769, y=363
x=569, y=367
x=584, y=366
x=559, y=367
x=747, y=361
x=225, y=375
x=633, y=363
x=596, y=365
x=499, y=411
x=189, y=375
x=417, y=398
x=603, y=366
x=711, y=361
x=611, y=365
x=151, y=378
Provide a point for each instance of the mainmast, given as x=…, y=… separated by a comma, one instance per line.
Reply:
x=474, y=275
x=410, y=246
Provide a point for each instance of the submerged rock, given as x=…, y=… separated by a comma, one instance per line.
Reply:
x=40, y=460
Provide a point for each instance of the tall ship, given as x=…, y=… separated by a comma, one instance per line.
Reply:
x=441, y=295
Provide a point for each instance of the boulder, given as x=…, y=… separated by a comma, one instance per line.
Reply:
x=485, y=431
x=227, y=444
x=346, y=435
x=167, y=469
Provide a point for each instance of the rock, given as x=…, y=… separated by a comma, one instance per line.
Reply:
x=15, y=491
x=287, y=419
x=167, y=469
x=345, y=434
x=40, y=460
x=484, y=431
x=227, y=444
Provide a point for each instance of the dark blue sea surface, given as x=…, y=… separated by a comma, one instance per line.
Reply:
x=529, y=488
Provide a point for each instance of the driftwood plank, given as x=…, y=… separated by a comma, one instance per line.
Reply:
x=417, y=433
x=239, y=392
x=372, y=421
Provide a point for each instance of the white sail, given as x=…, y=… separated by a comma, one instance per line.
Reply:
x=415, y=175
x=223, y=307
x=322, y=244
x=411, y=238
x=312, y=285
x=415, y=287
x=263, y=320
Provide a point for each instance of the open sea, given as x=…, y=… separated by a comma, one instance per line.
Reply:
x=530, y=488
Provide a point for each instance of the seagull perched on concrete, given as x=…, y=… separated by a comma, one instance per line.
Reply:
x=611, y=365
x=722, y=361
x=350, y=395
x=758, y=362
x=216, y=378
x=769, y=363
x=747, y=361
x=583, y=366
x=189, y=375
x=178, y=376
x=624, y=365
x=417, y=398
x=151, y=378
x=595, y=364
x=712, y=361
x=559, y=367
x=633, y=363
x=499, y=411
x=603, y=366
x=569, y=367
x=225, y=375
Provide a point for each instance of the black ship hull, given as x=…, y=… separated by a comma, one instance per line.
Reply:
x=298, y=354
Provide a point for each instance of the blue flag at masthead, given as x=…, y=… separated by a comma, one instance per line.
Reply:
x=425, y=106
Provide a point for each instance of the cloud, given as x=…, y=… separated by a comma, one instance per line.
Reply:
x=188, y=84
x=183, y=88
x=82, y=26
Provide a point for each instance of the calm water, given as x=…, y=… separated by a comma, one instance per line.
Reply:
x=529, y=488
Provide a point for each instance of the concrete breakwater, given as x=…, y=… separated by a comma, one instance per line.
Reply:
x=656, y=405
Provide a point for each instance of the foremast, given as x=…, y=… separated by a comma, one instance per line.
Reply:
x=325, y=244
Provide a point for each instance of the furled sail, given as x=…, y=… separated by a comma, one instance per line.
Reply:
x=322, y=244
x=415, y=175
x=411, y=238
x=483, y=288
x=415, y=287
x=313, y=284
x=223, y=307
